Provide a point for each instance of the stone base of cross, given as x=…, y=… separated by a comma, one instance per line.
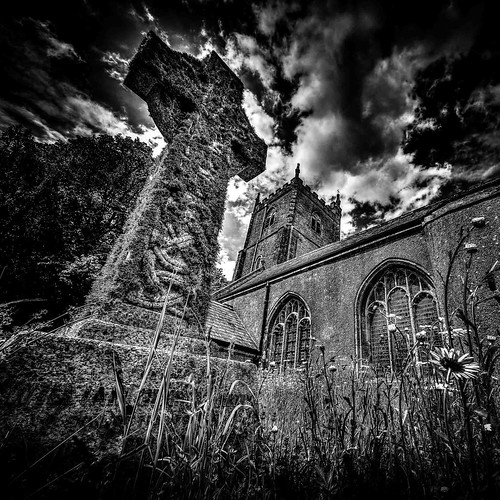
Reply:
x=169, y=246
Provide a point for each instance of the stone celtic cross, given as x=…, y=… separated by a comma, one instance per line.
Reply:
x=169, y=246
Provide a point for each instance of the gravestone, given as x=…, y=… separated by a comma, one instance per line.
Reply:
x=169, y=247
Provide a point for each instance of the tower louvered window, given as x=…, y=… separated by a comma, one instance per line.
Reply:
x=316, y=223
x=290, y=334
x=269, y=220
x=399, y=304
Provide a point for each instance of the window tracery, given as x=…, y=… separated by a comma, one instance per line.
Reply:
x=400, y=303
x=290, y=334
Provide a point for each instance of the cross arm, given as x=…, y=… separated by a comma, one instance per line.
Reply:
x=160, y=75
x=175, y=84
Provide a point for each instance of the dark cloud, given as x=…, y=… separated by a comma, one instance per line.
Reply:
x=38, y=77
x=59, y=87
x=332, y=82
x=365, y=214
x=347, y=57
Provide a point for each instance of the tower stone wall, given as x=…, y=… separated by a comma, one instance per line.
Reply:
x=289, y=223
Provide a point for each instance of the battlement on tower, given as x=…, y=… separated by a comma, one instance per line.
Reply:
x=334, y=206
x=289, y=222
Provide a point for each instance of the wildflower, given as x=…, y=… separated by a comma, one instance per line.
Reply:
x=421, y=336
x=455, y=365
x=470, y=247
x=391, y=328
x=443, y=387
x=274, y=429
x=488, y=427
x=457, y=332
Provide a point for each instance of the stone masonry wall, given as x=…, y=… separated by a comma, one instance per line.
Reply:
x=330, y=291
x=306, y=205
x=443, y=231
x=267, y=242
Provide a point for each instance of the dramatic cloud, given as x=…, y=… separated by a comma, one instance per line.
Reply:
x=260, y=120
x=115, y=65
x=55, y=48
x=329, y=85
x=42, y=90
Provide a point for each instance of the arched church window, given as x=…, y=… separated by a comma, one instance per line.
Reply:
x=290, y=334
x=269, y=220
x=316, y=223
x=399, y=303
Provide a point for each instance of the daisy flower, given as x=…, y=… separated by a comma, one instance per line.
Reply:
x=454, y=364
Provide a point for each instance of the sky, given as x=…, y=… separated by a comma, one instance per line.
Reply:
x=328, y=84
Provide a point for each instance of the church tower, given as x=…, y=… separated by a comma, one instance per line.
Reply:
x=290, y=222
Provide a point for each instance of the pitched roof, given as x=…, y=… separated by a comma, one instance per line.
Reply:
x=227, y=326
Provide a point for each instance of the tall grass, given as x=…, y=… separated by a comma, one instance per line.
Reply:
x=326, y=430
x=330, y=431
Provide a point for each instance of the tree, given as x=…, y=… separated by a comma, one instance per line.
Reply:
x=62, y=205
x=218, y=279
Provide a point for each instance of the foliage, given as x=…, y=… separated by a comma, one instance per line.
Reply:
x=62, y=205
x=218, y=279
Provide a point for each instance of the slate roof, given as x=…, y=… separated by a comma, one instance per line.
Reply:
x=227, y=326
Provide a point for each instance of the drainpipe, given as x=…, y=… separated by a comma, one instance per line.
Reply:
x=264, y=318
